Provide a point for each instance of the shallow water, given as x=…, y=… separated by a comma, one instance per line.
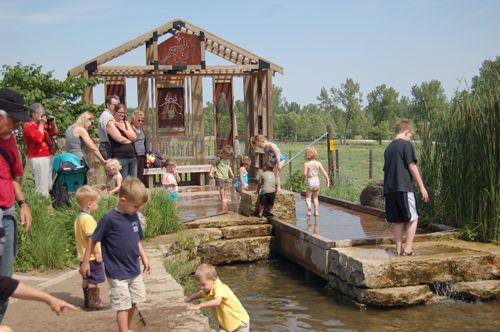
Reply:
x=279, y=295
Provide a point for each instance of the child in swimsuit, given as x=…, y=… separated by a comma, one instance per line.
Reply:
x=311, y=172
x=273, y=153
x=170, y=179
x=242, y=183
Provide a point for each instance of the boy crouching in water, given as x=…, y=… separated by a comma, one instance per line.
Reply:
x=88, y=199
x=119, y=232
x=226, y=307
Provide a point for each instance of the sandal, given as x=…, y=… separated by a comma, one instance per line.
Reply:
x=259, y=215
x=408, y=253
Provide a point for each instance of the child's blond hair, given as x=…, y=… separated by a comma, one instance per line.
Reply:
x=113, y=165
x=133, y=190
x=227, y=150
x=311, y=153
x=205, y=272
x=168, y=163
x=87, y=194
x=404, y=125
x=245, y=161
x=255, y=139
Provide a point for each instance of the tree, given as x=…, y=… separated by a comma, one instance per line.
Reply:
x=383, y=105
x=349, y=97
x=489, y=73
x=60, y=98
x=278, y=99
x=429, y=101
x=208, y=119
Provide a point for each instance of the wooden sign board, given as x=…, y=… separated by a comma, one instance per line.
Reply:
x=180, y=50
x=171, y=109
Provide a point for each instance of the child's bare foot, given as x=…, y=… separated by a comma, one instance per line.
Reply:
x=316, y=214
x=308, y=213
x=225, y=201
x=228, y=200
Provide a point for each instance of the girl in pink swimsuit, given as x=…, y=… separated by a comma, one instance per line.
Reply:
x=311, y=172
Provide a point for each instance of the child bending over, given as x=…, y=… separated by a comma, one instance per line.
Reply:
x=273, y=154
x=226, y=307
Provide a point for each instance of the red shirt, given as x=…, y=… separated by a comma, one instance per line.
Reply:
x=9, y=172
x=36, y=143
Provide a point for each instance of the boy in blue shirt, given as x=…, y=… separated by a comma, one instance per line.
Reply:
x=400, y=167
x=119, y=232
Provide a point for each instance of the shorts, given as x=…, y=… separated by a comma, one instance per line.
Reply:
x=173, y=197
x=239, y=185
x=244, y=327
x=124, y=292
x=222, y=183
x=401, y=207
x=96, y=273
x=267, y=199
x=313, y=185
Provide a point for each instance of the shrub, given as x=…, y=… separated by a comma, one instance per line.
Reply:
x=342, y=187
x=162, y=215
x=293, y=182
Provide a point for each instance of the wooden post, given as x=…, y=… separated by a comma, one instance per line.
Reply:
x=198, y=134
x=337, y=164
x=143, y=105
x=290, y=157
x=370, y=173
x=329, y=138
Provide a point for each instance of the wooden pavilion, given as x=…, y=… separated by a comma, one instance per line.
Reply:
x=172, y=79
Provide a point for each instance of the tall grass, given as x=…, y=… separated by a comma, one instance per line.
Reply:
x=460, y=161
x=162, y=214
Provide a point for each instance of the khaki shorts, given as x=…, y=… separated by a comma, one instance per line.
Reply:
x=124, y=292
x=222, y=183
x=244, y=327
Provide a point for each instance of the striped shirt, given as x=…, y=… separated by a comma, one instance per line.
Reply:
x=105, y=117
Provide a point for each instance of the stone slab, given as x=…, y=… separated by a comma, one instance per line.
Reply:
x=475, y=290
x=437, y=261
x=387, y=297
x=284, y=206
x=225, y=220
x=237, y=250
x=234, y=232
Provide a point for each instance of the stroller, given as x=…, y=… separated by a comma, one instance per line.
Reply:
x=68, y=176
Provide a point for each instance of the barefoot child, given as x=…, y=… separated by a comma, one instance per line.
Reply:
x=226, y=307
x=114, y=178
x=170, y=179
x=223, y=169
x=273, y=154
x=311, y=172
x=242, y=184
x=400, y=166
x=267, y=181
x=120, y=233
x=88, y=199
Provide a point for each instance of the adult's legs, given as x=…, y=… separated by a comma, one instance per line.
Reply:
x=411, y=229
x=132, y=167
x=125, y=165
x=308, y=202
x=7, y=259
x=42, y=173
x=316, y=202
x=398, y=236
x=141, y=160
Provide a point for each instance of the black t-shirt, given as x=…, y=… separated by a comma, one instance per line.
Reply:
x=119, y=150
x=397, y=177
x=7, y=287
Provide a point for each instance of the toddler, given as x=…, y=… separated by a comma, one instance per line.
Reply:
x=242, y=183
x=170, y=179
x=88, y=199
x=226, y=307
x=223, y=170
x=268, y=183
x=311, y=172
x=114, y=178
x=273, y=153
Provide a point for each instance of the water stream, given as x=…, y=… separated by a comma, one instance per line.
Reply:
x=280, y=295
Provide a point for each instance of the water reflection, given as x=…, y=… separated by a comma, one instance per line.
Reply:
x=281, y=296
x=316, y=225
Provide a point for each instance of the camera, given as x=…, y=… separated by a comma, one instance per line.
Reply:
x=50, y=119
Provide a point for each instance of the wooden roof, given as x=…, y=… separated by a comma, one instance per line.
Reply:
x=243, y=59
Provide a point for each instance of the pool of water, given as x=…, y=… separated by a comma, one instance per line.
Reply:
x=282, y=296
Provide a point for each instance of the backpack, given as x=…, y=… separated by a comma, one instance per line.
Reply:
x=159, y=158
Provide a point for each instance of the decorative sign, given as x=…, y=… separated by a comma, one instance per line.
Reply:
x=170, y=107
x=224, y=114
x=180, y=50
x=332, y=145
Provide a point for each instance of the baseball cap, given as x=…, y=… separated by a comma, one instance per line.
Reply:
x=13, y=103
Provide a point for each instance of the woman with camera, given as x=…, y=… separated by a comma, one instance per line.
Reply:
x=41, y=146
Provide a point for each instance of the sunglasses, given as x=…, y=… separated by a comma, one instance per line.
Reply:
x=140, y=120
x=121, y=112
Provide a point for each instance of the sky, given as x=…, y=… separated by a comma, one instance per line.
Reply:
x=319, y=43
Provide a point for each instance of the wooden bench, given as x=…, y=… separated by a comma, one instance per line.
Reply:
x=201, y=172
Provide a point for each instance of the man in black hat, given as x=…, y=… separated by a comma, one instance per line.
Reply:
x=12, y=112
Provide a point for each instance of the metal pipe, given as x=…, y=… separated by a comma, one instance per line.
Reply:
x=304, y=149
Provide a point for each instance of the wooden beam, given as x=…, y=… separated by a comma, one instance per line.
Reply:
x=198, y=134
x=269, y=94
x=263, y=105
x=143, y=104
x=88, y=95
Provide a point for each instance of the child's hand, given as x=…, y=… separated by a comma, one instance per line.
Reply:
x=98, y=257
x=211, y=175
x=257, y=192
x=194, y=307
x=85, y=269
x=104, y=187
x=147, y=266
x=182, y=300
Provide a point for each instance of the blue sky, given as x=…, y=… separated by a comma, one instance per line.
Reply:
x=319, y=43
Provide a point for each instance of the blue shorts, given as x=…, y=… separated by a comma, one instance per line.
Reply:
x=96, y=273
x=173, y=197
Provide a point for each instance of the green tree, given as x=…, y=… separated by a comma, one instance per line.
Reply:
x=278, y=99
x=429, y=102
x=383, y=105
x=208, y=119
x=489, y=75
x=350, y=99
x=60, y=98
